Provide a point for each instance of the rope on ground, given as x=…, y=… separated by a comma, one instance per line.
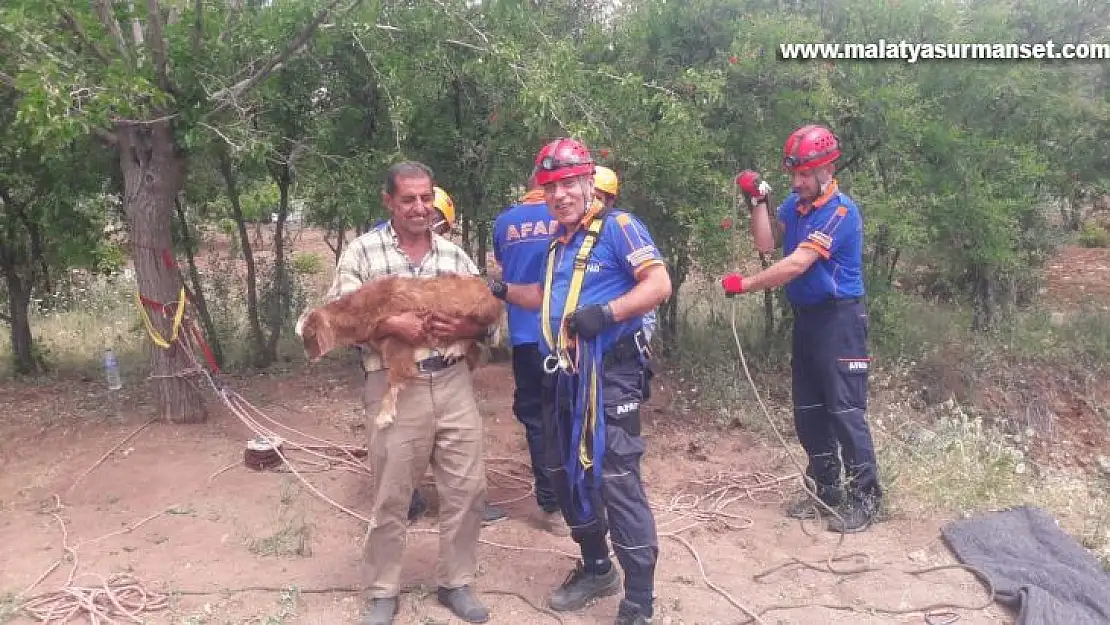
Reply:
x=933, y=611
x=110, y=452
x=121, y=596
x=930, y=611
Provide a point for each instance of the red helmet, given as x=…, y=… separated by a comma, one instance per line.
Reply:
x=809, y=147
x=562, y=158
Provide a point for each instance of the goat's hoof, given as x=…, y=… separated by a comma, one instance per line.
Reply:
x=454, y=351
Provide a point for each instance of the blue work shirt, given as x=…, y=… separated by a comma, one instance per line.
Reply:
x=833, y=227
x=623, y=249
x=521, y=238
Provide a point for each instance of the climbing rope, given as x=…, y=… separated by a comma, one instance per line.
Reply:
x=935, y=613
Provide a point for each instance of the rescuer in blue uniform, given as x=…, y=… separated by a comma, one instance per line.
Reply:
x=603, y=273
x=821, y=231
x=521, y=237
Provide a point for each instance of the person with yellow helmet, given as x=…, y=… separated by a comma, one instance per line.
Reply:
x=606, y=189
x=606, y=185
x=446, y=207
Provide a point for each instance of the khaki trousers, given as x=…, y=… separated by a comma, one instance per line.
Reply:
x=438, y=422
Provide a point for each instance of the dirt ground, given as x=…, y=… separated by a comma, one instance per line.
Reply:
x=240, y=528
x=1079, y=277
x=210, y=525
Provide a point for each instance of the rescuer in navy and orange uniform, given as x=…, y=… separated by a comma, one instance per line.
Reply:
x=602, y=274
x=521, y=237
x=821, y=231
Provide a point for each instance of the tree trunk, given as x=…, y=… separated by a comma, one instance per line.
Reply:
x=482, y=247
x=228, y=172
x=982, y=318
x=153, y=173
x=283, y=292
x=197, y=294
x=19, y=301
x=465, y=227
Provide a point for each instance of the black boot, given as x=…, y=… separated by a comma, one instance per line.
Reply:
x=856, y=515
x=629, y=613
x=581, y=586
x=806, y=508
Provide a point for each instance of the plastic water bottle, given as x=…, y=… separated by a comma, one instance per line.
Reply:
x=111, y=370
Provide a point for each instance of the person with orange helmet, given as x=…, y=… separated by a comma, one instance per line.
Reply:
x=603, y=272
x=821, y=231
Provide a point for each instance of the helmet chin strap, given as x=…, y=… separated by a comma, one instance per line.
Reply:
x=824, y=184
x=587, y=198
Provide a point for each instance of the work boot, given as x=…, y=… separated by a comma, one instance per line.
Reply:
x=629, y=613
x=552, y=522
x=855, y=516
x=581, y=586
x=418, y=506
x=462, y=602
x=491, y=515
x=380, y=612
x=805, y=508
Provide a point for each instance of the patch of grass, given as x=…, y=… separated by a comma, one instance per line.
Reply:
x=292, y=534
x=704, y=365
x=74, y=325
x=287, y=608
x=8, y=607
x=939, y=454
x=959, y=465
x=1093, y=235
x=87, y=313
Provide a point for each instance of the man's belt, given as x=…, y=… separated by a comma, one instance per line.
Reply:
x=631, y=346
x=829, y=303
x=433, y=364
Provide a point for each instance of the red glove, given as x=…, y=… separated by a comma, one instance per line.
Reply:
x=733, y=284
x=753, y=186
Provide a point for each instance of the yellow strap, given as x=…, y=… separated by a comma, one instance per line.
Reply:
x=178, y=317
x=560, y=349
x=584, y=447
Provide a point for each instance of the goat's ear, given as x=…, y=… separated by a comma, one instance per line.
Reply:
x=317, y=335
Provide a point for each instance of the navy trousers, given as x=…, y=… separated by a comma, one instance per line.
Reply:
x=528, y=407
x=621, y=507
x=830, y=368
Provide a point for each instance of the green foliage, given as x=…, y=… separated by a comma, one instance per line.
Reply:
x=308, y=264
x=1093, y=235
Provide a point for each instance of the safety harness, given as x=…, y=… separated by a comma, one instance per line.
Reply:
x=578, y=374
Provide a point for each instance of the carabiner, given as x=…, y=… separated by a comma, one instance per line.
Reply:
x=551, y=364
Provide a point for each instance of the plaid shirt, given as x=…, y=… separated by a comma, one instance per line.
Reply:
x=377, y=254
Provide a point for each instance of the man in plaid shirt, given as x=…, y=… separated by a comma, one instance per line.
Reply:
x=437, y=416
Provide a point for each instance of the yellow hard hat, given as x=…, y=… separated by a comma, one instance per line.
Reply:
x=445, y=205
x=605, y=179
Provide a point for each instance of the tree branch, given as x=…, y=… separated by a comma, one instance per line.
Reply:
x=105, y=136
x=8, y=80
x=300, y=40
x=79, y=30
x=104, y=12
x=157, y=43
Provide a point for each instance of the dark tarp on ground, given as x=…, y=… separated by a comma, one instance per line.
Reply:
x=1037, y=569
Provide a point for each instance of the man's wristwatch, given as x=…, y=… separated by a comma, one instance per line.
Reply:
x=499, y=289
